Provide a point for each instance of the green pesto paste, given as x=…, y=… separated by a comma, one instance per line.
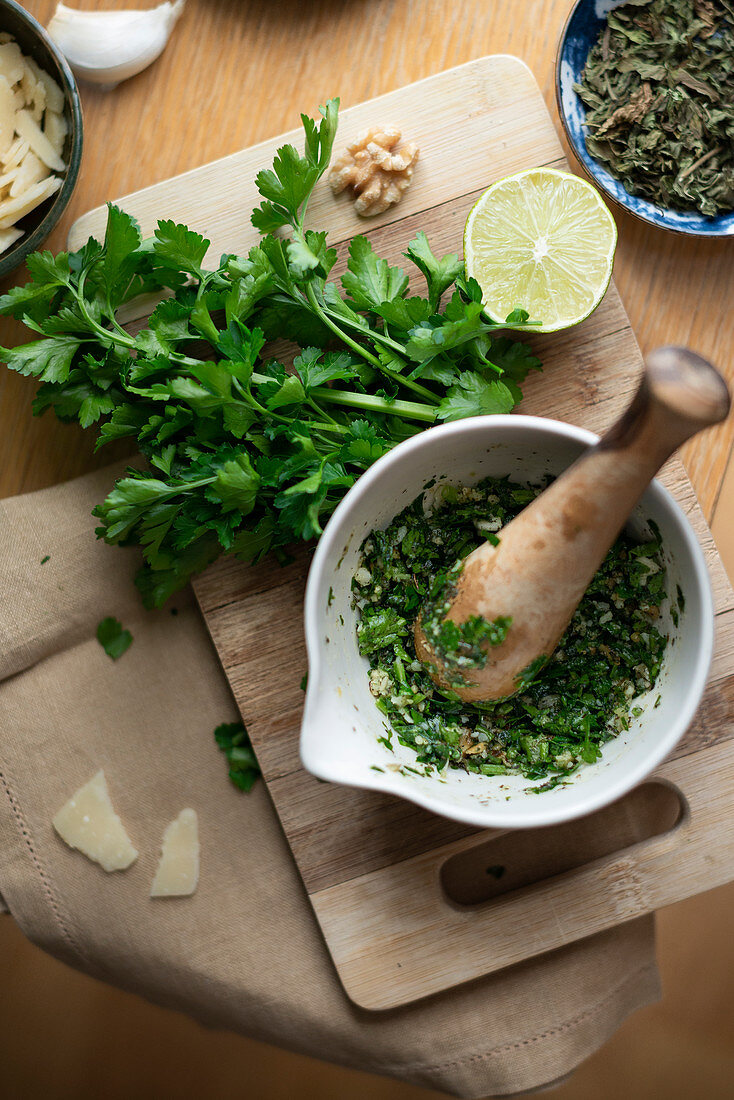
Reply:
x=567, y=708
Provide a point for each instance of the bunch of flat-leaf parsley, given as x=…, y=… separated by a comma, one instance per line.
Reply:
x=244, y=456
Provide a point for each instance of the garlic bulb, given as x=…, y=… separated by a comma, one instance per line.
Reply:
x=106, y=47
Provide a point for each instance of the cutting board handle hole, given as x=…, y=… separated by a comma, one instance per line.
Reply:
x=523, y=857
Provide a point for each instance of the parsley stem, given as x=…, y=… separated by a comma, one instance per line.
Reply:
x=380, y=337
x=371, y=403
x=394, y=376
x=320, y=312
x=105, y=333
x=332, y=424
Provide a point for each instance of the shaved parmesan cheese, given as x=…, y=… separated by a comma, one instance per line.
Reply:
x=35, y=94
x=89, y=823
x=11, y=61
x=32, y=136
x=55, y=129
x=178, y=870
x=12, y=210
x=8, y=237
x=54, y=95
x=7, y=115
x=27, y=128
x=15, y=153
x=7, y=177
x=31, y=171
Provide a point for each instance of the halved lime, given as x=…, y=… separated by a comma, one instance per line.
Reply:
x=542, y=240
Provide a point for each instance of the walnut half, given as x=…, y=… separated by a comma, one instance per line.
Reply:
x=376, y=169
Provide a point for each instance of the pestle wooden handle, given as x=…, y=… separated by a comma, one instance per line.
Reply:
x=548, y=554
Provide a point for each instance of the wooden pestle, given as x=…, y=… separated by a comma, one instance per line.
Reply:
x=549, y=553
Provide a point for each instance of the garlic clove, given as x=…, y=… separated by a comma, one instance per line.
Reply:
x=106, y=47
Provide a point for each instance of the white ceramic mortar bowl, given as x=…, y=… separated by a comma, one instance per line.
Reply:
x=341, y=723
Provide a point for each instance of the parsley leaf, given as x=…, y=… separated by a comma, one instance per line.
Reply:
x=439, y=274
x=287, y=186
x=122, y=238
x=370, y=281
x=234, y=741
x=113, y=638
x=47, y=360
x=180, y=247
x=475, y=396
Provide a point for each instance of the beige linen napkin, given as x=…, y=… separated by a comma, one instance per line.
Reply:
x=245, y=952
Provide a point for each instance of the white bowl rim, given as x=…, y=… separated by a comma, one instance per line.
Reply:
x=502, y=815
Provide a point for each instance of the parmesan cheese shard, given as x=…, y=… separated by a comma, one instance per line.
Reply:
x=12, y=210
x=33, y=90
x=8, y=237
x=7, y=177
x=31, y=171
x=178, y=870
x=11, y=62
x=89, y=823
x=55, y=129
x=15, y=153
x=54, y=95
x=7, y=115
x=27, y=128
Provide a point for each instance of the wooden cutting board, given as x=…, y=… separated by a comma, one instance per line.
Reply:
x=410, y=903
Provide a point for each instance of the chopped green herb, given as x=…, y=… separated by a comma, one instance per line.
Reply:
x=567, y=706
x=45, y=559
x=460, y=645
x=304, y=681
x=234, y=741
x=113, y=638
x=528, y=674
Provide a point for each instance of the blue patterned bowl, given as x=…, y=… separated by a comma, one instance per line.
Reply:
x=581, y=31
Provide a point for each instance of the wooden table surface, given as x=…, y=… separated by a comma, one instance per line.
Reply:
x=238, y=71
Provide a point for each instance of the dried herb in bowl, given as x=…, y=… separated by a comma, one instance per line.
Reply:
x=658, y=86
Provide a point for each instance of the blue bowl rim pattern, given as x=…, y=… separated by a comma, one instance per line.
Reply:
x=581, y=28
x=30, y=241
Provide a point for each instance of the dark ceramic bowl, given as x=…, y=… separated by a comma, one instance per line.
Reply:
x=35, y=43
x=581, y=31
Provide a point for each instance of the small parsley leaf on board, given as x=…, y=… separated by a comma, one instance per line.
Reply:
x=122, y=239
x=370, y=281
x=439, y=274
x=179, y=246
x=288, y=185
x=475, y=396
x=113, y=638
x=234, y=741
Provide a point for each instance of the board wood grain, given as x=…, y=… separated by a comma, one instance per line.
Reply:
x=370, y=863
